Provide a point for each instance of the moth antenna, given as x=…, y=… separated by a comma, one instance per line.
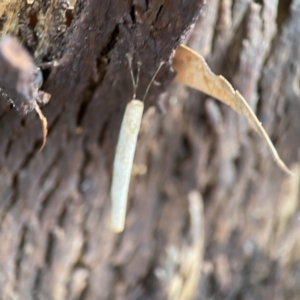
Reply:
x=135, y=82
x=152, y=79
x=138, y=77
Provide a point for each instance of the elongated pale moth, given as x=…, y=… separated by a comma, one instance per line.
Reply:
x=126, y=145
x=193, y=71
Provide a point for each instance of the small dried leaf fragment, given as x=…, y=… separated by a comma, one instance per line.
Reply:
x=44, y=124
x=193, y=71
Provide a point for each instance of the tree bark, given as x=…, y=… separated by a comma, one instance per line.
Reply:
x=210, y=215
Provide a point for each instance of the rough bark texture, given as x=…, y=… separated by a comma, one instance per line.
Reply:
x=209, y=179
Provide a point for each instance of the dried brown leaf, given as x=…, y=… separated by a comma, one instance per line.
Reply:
x=193, y=71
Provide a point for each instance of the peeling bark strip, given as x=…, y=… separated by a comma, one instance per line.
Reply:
x=20, y=81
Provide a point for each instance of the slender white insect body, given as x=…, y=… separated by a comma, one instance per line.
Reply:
x=125, y=152
x=123, y=162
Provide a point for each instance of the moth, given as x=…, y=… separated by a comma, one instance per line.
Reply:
x=125, y=150
x=193, y=71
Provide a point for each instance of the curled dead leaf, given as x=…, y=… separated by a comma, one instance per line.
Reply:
x=193, y=71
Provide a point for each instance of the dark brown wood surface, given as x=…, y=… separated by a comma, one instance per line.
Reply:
x=210, y=215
